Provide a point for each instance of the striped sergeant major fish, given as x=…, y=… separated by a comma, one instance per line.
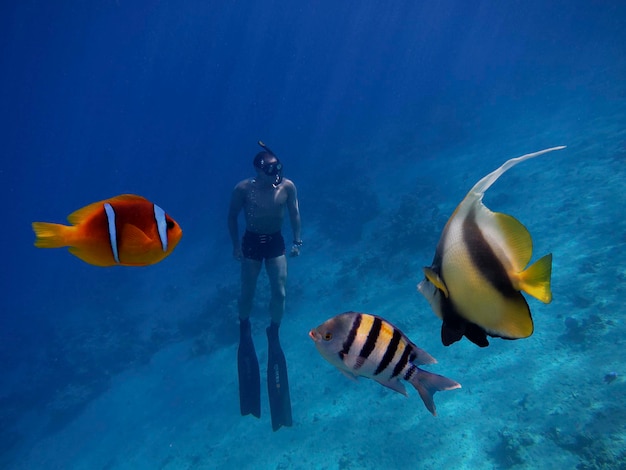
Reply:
x=479, y=269
x=126, y=230
x=360, y=344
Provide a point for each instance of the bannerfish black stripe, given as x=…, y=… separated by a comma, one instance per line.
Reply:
x=110, y=213
x=372, y=336
x=347, y=344
x=404, y=359
x=390, y=352
x=484, y=259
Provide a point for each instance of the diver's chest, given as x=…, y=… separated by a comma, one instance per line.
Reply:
x=267, y=199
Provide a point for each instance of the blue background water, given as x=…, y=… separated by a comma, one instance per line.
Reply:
x=384, y=116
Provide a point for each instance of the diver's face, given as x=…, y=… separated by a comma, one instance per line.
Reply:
x=269, y=171
x=271, y=167
x=262, y=176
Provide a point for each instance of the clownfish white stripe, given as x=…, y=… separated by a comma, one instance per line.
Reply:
x=159, y=217
x=110, y=212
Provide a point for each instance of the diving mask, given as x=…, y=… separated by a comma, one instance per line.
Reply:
x=272, y=169
x=275, y=168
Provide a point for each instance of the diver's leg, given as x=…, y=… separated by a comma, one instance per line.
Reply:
x=247, y=362
x=250, y=269
x=277, y=273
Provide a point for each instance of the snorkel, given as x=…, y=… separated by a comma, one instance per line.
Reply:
x=271, y=169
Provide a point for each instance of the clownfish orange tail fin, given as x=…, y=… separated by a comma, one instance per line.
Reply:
x=51, y=235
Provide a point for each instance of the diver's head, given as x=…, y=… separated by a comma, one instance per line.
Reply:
x=268, y=164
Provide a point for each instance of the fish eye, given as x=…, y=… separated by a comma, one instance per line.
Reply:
x=328, y=336
x=170, y=224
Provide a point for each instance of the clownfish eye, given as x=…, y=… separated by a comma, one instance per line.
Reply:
x=170, y=224
x=328, y=336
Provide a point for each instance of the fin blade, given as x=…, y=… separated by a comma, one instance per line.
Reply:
x=535, y=280
x=278, y=383
x=249, y=378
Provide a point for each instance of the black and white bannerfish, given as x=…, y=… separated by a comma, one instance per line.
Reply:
x=479, y=269
x=360, y=344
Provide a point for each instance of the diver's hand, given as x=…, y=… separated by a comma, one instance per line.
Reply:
x=295, y=250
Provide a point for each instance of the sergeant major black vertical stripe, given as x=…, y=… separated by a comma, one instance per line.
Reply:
x=404, y=359
x=409, y=373
x=392, y=347
x=347, y=344
x=372, y=336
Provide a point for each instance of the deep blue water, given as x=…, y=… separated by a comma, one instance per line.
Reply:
x=384, y=116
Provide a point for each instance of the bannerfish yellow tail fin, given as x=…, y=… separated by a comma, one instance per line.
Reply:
x=51, y=235
x=535, y=280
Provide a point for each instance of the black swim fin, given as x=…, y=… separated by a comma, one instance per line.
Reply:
x=249, y=376
x=277, y=381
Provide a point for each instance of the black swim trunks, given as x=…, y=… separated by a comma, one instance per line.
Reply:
x=261, y=246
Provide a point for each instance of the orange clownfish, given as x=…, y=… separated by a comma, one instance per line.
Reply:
x=125, y=230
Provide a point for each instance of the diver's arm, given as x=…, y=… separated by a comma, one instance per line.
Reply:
x=294, y=217
x=236, y=204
